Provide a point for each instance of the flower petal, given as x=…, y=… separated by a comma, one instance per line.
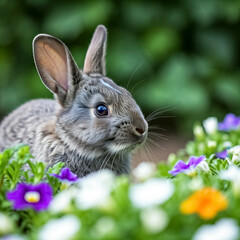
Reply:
x=66, y=174
x=194, y=161
x=151, y=193
x=222, y=155
x=230, y=122
x=179, y=167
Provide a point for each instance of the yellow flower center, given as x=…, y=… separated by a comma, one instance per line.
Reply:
x=32, y=197
x=192, y=174
x=64, y=186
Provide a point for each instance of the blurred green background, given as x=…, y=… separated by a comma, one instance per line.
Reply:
x=180, y=54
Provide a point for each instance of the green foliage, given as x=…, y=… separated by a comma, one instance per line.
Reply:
x=16, y=166
x=179, y=53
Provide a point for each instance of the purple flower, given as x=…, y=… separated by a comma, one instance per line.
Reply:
x=66, y=175
x=182, y=167
x=230, y=122
x=31, y=196
x=222, y=155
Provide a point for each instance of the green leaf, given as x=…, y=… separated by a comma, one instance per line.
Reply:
x=56, y=168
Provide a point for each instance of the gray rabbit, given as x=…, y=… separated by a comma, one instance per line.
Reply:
x=92, y=124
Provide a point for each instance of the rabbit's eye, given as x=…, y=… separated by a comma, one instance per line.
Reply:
x=101, y=110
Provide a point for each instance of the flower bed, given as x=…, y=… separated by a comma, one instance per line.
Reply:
x=195, y=195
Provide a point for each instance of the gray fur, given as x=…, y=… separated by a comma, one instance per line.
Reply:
x=68, y=129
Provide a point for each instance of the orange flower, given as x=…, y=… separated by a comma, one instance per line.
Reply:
x=207, y=202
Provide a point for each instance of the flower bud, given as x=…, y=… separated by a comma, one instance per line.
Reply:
x=198, y=132
x=210, y=125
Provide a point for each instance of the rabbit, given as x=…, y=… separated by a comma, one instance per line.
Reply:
x=92, y=124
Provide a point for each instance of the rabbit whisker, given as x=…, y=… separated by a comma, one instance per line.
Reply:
x=153, y=143
x=159, y=111
x=137, y=85
x=113, y=161
x=105, y=160
x=159, y=117
x=164, y=109
x=157, y=128
x=137, y=68
x=157, y=136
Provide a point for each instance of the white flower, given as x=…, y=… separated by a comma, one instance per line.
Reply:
x=144, y=170
x=235, y=150
x=150, y=193
x=60, y=229
x=232, y=174
x=203, y=166
x=61, y=202
x=236, y=153
x=211, y=144
x=210, y=125
x=224, y=229
x=95, y=189
x=235, y=158
x=6, y=224
x=154, y=219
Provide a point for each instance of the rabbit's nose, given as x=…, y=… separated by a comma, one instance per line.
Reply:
x=140, y=128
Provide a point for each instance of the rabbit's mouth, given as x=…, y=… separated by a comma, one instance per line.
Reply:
x=126, y=143
x=125, y=147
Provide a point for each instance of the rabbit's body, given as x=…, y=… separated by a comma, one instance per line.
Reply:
x=25, y=124
x=92, y=124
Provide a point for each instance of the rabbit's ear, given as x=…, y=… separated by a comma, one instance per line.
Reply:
x=95, y=58
x=56, y=66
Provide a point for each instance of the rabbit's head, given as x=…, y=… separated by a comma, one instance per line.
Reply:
x=96, y=116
